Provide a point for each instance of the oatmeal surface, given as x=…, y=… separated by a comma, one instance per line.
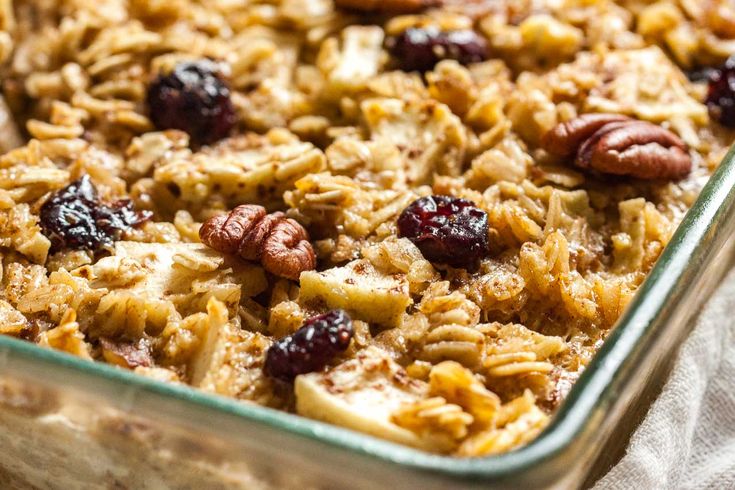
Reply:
x=421, y=217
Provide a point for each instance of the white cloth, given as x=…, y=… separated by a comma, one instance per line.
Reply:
x=687, y=439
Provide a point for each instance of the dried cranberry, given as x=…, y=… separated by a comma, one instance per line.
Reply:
x=447, y=230
x=420, y=49
x=311, y=347
x=193, y=98
x=721, y=94
x=73, y=218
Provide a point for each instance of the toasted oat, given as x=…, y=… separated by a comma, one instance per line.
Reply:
x=330, y=142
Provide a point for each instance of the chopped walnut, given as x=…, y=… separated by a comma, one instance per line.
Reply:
x=281, y=244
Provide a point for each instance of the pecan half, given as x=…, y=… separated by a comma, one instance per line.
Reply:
x=287, y=250
x=279, y=243
x=392, y=6
x=618, y=145
x=565, y=138
x=225, y=232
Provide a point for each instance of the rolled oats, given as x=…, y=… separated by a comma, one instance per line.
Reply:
x=332, y=142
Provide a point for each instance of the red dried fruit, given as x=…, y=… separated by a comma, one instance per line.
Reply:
x=721, y=94
x=421, y=49
x=311, y=347
x=73, y=218
x=447, y=230
x=193, y=98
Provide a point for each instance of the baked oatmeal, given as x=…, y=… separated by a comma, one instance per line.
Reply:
x=417, y=219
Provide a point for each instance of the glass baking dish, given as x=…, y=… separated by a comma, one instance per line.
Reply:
x=70, y=423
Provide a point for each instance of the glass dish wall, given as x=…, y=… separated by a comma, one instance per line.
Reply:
x=69, y=423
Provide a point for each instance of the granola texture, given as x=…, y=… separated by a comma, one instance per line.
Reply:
x=573, y=125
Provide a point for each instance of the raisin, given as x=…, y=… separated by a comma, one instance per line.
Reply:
x=447, y=230
x=311, y=347
x=193, y=98
x=721, y=93
x=74, y=218
x=421, y=49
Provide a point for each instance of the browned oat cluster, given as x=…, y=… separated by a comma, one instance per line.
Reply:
x=416, y=219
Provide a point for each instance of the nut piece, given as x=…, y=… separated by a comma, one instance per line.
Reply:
x=618, y=145
x=279, y=243
x=392, y=6
x=226, y=231
x=127, y=354
x=565, y=138
x=287, y=252
x=254, y=240
x=636, y=148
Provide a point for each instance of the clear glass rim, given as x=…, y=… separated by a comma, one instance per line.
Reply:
x=690, y=244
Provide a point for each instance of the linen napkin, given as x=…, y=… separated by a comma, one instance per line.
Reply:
x=687, y=439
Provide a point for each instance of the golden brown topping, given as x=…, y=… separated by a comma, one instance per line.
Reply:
x=393, y=6
x=618, y=145
x=279, y=243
